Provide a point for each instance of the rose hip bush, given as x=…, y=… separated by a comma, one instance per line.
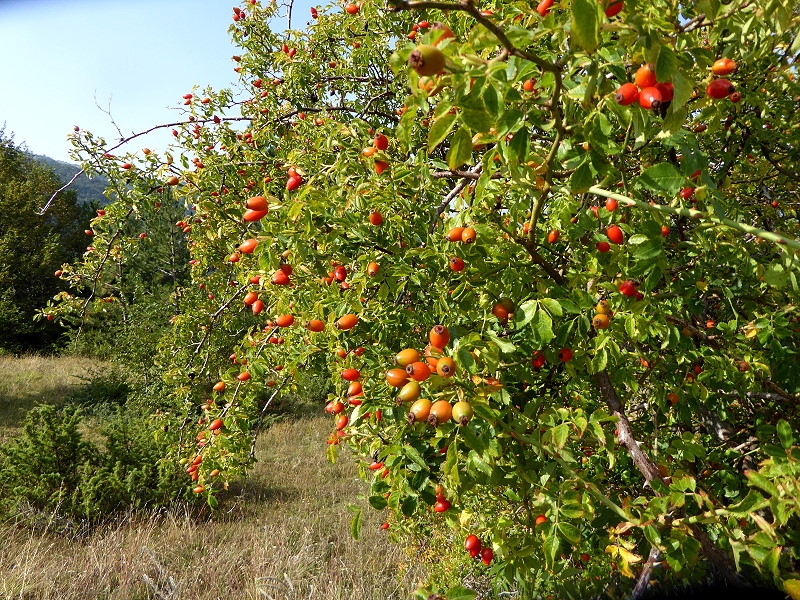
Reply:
x=547, y=255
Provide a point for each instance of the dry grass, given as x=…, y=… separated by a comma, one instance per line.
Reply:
x=285, y=535
x=27, y=381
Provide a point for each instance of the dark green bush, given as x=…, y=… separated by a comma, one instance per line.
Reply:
x=53, y=470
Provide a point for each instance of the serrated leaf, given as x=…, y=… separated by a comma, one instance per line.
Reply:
x=551, y=547
x=519, y=144
x=585, y=25
x=460, y=148
x=792, y=586
x=440, y=130
x=663, y=178
x=503, y=345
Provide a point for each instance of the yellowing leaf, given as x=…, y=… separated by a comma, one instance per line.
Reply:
x=792, y=586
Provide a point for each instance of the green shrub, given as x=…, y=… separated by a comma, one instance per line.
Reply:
x=51, y=469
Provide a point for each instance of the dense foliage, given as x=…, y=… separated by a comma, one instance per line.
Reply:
x=614, y=268
x=32, y=246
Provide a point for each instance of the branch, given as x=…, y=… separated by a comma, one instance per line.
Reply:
x=697, y=214
x=473, y=173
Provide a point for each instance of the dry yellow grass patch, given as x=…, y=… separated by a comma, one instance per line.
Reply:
x=285, y=535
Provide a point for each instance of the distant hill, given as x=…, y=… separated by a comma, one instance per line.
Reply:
x=88, y=190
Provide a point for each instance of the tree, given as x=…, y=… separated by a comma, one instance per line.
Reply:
x=467, y=204
x=33, y=246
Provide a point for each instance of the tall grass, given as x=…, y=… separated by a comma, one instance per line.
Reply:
x=284, y=535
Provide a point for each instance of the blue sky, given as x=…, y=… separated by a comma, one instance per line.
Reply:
x=60, y=59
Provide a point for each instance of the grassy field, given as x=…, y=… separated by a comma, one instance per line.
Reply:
x=284, y=535
x=27, y=381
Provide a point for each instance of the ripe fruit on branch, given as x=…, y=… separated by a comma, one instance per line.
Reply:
x=293, y=182
x=248, y=246
x=376, y=218
x=216, y=424
x=352, y=9
x=284, y=320
x=667, y=92
x=315, y=325
x=440, y=412
x=347, y=322
x=503, y=308
x=603, y=307
x=627, y=94
x=406, y=357
x=538, y=360
x=257, y=203
x=419, y=411
x=418, y=371
x=723, y=66
x=381, y=142
x=543, y=8
x=720, y=88
x=280, y=278
x=487, y=554
x=426, y=60
x=603, y=246
x=441, y=506
x=565, y=354
x=472, y=545
x=251, y=215
x=439, y=336
x=454, y=235
x=627, y=288
x=396, y=377
x=372, y=269
x=445, y=366
x=351, y=374
x=443, y=31
x=541, y=519
x=612, y=8
x=456, y=264
x=600, y=321
x=645, y=76
x=615, y=234
x=380, y=166
x=650, y=98
x=468, y=235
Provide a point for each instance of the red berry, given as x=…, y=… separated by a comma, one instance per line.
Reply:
x=564, y=354
x=645, y=76
x=603, y=246
x=627, y=93
x=472, y=543
x=615, y=234
x=650, y=98
x=720, y=88
x=627, y=288
x=487, y=555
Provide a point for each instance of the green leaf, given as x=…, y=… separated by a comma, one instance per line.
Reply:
x=582, y=179
x=571, y=533
x=552, y=306
x=585, y=25
x=551, y=547
x=543, y=326
x=756, y=479
x=440, y=130
x=560, y=435
x=460, y=593
x=503, y=345
x=525, y=313
x=476, y=120
x=355, y=522
x=666, y=63
x=460, y=148
x=663, y=178
x=519, y=144
x=785, y=434
x=683, y=90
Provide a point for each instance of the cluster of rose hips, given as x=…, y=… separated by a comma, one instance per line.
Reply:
x=475, y=548
x=721, y=88
x=646, y=89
